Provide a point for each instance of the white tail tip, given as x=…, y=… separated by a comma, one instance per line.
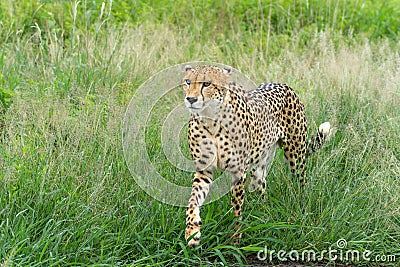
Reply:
x=325, y=128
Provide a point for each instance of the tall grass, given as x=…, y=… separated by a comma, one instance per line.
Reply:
x=374, y=19
x=67, y=197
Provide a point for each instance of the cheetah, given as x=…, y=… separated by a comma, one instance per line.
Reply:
x=237, y=131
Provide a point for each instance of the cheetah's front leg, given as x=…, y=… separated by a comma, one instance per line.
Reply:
x=238, y=192
x=200, y=188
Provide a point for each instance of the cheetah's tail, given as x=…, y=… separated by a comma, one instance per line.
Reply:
x=316, y=141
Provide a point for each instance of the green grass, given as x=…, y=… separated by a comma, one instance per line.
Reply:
x=67, y=197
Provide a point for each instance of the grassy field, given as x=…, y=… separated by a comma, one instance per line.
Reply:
x=67, y=197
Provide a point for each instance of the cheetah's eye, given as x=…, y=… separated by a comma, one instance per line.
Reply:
x=206, y=84
x=187, y=81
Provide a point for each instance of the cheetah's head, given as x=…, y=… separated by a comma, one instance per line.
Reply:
x=204, y=86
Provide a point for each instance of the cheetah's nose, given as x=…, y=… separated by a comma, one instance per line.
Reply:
x=191, y=100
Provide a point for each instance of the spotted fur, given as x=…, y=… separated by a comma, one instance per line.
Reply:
x=237, y=131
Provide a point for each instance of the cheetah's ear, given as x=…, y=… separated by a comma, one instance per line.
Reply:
x=227, y=70
x=188, y=67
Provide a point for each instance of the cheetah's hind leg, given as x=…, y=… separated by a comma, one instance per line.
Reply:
x=259, y=172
